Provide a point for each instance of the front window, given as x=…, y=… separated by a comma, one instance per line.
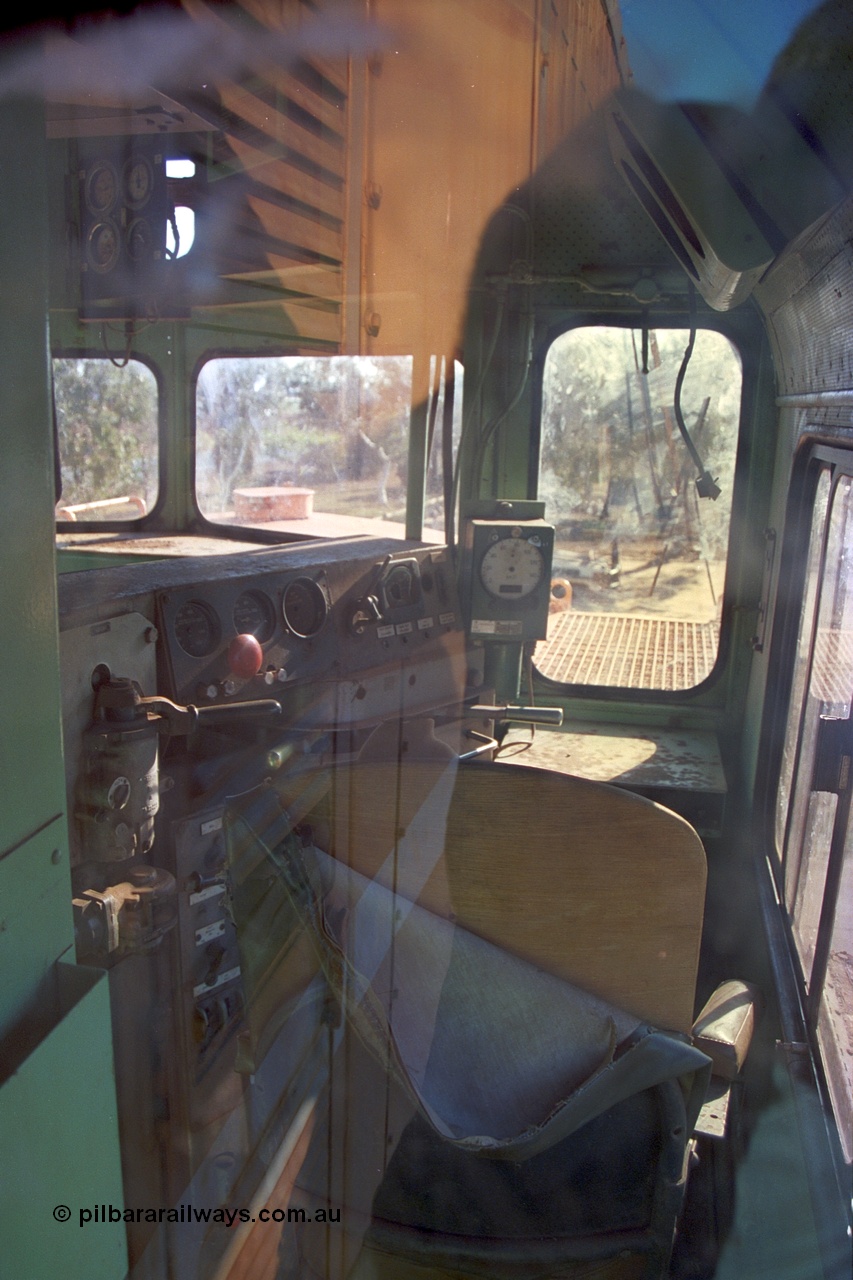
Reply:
x=312, y=445
x=640, y=558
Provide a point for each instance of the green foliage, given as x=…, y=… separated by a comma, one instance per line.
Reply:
x=301, y=420
x=107, y=426
x=611, y=450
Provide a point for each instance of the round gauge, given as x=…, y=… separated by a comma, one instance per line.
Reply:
x=254, y=615
x=139, y=239
x=304, y=607
x=196, y=629
x=102, y=247
x=512, y=568
x=138, y=181
x=101, y=188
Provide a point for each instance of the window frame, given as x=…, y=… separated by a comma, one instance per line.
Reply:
x=254, y=351
x=812, y=460
x=738, y=522
x=151, y=517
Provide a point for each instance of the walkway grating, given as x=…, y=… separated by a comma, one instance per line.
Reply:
x=627, y=652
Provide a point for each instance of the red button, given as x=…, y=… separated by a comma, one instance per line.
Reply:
x=245, y=656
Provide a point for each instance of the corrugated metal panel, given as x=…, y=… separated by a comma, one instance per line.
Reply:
x=627, y=652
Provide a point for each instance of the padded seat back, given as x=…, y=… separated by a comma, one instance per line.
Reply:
x=588, y=882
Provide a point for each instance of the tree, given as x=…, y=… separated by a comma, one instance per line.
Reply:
x=611, y=450
x=309, y=420
x=106, y=419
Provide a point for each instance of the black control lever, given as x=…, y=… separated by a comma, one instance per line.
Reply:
x=367, y=608
x=180, y=720
x=119, y=702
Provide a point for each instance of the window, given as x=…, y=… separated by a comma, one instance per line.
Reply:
x=814, y=834
x=640, y=559
x=180, y=233
x=106, y=419
x=305, y=444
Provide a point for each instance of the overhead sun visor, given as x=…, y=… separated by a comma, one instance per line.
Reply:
x=688, y=197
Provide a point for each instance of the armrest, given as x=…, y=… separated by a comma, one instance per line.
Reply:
x=724, y=1028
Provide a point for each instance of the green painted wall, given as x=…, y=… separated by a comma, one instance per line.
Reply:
x=58, y=1123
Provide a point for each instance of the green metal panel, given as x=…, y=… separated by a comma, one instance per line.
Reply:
x=35, y=922
x=30, y=744
x=58, y=1125
x=60, y=1145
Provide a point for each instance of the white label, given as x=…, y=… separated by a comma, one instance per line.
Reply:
x=446, y=618
x=209, y=932
x=404, y=628
x=207, y=828
x=203, y=894
x=482, y=627
x=384, y=632
x=424, y=624
x=218, y=981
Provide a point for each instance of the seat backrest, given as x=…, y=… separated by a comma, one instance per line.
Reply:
x=589, y=882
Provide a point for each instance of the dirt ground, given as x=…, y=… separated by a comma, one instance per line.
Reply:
x=641, y=578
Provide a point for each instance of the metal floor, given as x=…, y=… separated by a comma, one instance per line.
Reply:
x=627, y=651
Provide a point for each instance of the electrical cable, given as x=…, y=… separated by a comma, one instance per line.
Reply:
x=501, y=417
x=706, y=485
x=124, y=361
x=524, y=216
x=466, y=420
x=175, y=251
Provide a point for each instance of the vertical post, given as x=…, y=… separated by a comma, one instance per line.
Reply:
x=503, y=671
x=418, y=446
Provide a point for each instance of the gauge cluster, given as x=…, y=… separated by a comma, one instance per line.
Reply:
x=330, y=625
x=285, y=613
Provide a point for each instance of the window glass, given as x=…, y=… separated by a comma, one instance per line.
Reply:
x=640, y=559
x=106, y=418
x=305, y=444
x=820, y=747
x=835, y=1022
x=804, y=642
x=813, y=823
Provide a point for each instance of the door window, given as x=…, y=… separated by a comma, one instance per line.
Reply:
x=813, y=824
x=639, y=558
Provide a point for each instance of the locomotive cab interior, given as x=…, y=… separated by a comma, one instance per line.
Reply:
x=426, y=847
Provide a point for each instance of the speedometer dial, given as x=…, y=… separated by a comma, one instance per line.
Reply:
x=512, y=568
x=304, y=607
x=254, y=615
x=197, y=629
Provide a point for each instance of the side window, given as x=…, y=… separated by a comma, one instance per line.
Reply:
x=640, y=559
x=315, y=445
x=814, y=832
x=106, y=420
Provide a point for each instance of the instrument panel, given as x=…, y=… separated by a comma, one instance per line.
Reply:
x=320, y=623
